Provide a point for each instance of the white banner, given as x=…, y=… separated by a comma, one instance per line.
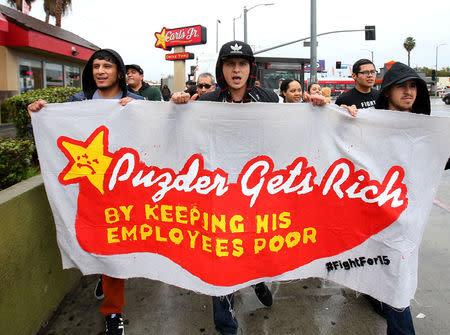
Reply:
x=214, y=197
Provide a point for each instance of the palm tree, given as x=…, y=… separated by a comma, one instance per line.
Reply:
x=56, y=8
x=409, y=44
x=18, y=3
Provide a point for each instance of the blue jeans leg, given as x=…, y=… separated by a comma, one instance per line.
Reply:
x=224, y=319
x=399, y=322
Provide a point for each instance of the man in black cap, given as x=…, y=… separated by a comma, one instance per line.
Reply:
x=137, y=85
x=236, y=76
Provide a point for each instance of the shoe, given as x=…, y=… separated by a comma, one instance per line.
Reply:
x=263, y=293
x=114, y=324
x=98, y=291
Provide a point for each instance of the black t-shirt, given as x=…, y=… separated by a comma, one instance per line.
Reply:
x=355, y=97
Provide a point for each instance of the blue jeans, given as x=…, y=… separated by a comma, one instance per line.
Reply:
x=224, y=318
x=399, y=321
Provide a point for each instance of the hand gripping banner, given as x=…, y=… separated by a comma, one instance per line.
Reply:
x=214, y=197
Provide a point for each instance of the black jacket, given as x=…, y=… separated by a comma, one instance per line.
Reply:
x=397, y=74
x=256, y=94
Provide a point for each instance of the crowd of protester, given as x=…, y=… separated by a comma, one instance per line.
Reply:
x=106, y=77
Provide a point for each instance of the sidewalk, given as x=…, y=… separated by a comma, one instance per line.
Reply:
x=308, y=307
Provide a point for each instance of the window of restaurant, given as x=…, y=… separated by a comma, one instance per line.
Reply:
x=53, y=75
x=72, y=76
x=35, y=74
x=30, y=75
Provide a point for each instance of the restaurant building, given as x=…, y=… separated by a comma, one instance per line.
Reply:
x=35, y=54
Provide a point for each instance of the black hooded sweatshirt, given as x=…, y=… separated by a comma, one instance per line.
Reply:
x=89, y=85
x=397, y=74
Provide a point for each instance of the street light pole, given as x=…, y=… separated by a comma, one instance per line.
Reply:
x=217, y=35
x=313, y=61
x=245, y=16
x=245, y=24
x=437, y=47
x=371, y=52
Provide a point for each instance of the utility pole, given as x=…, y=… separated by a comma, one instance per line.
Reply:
x=313, y=64
x=437, y=48
x=245, y=24
x=245, y=16
x=217, y=35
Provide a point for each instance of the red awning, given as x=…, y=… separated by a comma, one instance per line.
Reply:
x=19, y=37
x=3, y=23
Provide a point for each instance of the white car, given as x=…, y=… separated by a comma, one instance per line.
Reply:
x=441, y=91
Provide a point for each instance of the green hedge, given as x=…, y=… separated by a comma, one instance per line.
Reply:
x=14, y=109
x=5, y=114
x=15, y=161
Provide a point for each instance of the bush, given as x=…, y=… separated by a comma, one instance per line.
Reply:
x=15, y=161
x=5, y=114
x=15, y=108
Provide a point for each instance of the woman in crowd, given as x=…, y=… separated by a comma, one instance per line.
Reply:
x=291, y=90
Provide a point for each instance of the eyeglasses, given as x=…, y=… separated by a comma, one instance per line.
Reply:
x=207, y=86
x=366, y=73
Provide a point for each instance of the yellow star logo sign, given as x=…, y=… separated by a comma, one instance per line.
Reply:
x=161, y=39
x=87, y=160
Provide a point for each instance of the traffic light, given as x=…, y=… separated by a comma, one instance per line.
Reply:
x=338, y=65
x=433, y=75
x=370, y=33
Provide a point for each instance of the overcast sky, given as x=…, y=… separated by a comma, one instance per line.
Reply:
x=129, y=27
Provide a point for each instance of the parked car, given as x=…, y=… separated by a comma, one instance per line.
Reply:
x=446, y=98
x=442, y=91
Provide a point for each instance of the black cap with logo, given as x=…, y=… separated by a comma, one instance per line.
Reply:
x=236, y=49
